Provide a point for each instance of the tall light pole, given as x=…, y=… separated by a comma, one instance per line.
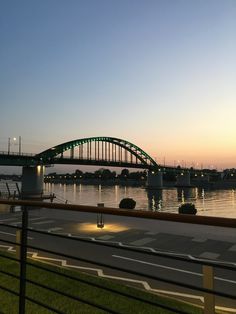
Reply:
x=9, y=145
x=14, y=141
x=19, y=145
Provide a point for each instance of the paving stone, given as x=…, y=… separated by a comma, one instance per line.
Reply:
x=228, y=256
x=233, y=248
x=142, y=241
x=129, y=235
x=209, y=255
x=105, y=237
x=152, y=233
x=199, y=239
x=169, y=242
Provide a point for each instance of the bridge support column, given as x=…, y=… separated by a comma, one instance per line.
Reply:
x=183, y=179
x=155, y=180
x=32, y=181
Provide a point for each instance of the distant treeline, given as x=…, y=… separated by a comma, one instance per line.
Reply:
x=125, y=174
x=102, y=174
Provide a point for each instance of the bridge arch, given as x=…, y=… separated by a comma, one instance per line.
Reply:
x=124, y=147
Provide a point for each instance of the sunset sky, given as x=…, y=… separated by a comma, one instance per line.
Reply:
x=158, y=73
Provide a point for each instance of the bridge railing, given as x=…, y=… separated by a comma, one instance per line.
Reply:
x=16, y=154
x=22, y=246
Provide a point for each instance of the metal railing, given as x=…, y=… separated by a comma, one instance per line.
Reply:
x=16, y=153
x=22, y=246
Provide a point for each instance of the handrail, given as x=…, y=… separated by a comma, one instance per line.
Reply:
x=183, y=218
x=16, y=154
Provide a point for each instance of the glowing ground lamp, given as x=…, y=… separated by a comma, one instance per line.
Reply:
x=100, y=218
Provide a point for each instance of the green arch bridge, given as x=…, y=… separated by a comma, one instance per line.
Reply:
x=97, y=151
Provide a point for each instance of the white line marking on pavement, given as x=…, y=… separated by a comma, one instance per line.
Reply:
x=16, y=223
x=9, y=248
x=7, y=233
x=170, y=268
x=9, y=219
x=43, y=222
x=156, y=265
x=227, y=280
x=54, y=229
x=38, y=218
x=13, y=234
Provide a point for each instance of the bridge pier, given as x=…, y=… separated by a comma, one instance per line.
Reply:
x=32, y=181
x=155, y=180
x=183, y=179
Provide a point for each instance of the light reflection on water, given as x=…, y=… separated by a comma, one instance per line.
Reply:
x=219, y=203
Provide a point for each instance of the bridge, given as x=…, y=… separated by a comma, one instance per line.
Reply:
x=96, y=151
x=102, y=151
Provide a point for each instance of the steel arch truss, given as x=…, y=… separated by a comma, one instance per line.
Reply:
x=108, y=150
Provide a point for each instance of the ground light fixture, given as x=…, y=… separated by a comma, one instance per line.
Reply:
x=100, y=218
x=100, y=221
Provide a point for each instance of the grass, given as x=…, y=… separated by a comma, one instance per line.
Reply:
x=121, y=304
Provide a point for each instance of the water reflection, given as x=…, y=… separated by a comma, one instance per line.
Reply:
x=233, y=197
x=116, y=193
x=154, y=199
x=186, y=194
x=208, y=202
x=74, y=192
x=100, y=193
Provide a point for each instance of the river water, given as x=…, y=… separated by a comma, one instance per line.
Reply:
x=220, y=203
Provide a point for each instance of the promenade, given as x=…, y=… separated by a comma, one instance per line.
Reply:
x=202, y=241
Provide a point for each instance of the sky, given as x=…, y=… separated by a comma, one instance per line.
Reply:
x=158, y=73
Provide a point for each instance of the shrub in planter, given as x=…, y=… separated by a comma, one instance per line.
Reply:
x=127, y=203
x=187, y=208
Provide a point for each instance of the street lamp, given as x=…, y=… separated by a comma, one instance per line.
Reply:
x=14, y=141
x=9, y=144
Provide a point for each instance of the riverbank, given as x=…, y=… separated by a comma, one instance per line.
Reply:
x=221, y=184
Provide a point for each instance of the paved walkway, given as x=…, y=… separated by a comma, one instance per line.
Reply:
x=197, y=240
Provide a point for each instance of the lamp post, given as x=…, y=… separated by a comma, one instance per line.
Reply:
x=9, y=145
x=19, y=145
x=14, y=142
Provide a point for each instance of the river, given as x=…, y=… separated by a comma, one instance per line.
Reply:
x=220, y=203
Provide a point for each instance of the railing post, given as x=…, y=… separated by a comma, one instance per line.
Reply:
x=8, y=190
x=23, y=257
x=208, y=283
x=18, y=240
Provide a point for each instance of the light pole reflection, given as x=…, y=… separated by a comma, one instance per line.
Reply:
x=154, y=199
